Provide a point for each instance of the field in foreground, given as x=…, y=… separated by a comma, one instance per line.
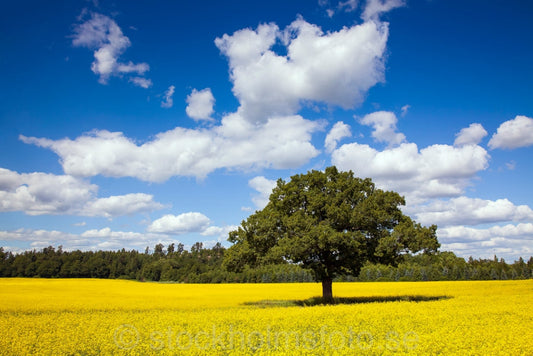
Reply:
x=89, y=316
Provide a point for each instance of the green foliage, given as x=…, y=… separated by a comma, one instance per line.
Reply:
x=445, y=266
x=200, y=265
x=331, y=223
x=205, y=266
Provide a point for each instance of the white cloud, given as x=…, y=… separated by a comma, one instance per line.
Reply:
x=119, y=205
x=384, y=124
x=200, y=104
x=281, y=142
x=213, y=230
x=141, y=82
x=102, y=34
x=348, y=5
x=34, y=235
x=329, y=11
x=441, y=171
x=339, y=131
x=511, y=165
x=130, y=67
x=168, y=102
x=513, y=134
x=471, y=135
x=43, y=193
x=222, y=233
x=264, y=186
x=371, y=11
x=472, y=211
x=107, y=234
x=508, y=241
x=374, y=8
x=180, y=224
x=336, y=68
x=37, y=239
x=404, y=110
x=94, y=239
x=435, y=171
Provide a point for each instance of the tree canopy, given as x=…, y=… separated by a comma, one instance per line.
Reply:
x=330, y=222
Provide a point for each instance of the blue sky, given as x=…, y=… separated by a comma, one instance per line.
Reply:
x=129, y=123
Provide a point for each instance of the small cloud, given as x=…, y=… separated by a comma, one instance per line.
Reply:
x=374, y=8
x=472, y=211
x=180, y=224
x=471, y=135
x=130, y=67
x=264, y=187
x=405, y=109
x=325, y=3
x=168, y=102
x=83, y=223
x=513, y=134
x=141, y=82
x=348, y=5
x=120, y=205
x=200, y=104
x=339, y=131
x=342, y=6
x=384, y=124
x=221, y=232
x=102, y=34
x=511, y=165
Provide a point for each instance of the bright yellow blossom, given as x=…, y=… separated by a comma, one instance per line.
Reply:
x=109, y=317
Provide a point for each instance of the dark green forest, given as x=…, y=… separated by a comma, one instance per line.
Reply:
x=204, y=265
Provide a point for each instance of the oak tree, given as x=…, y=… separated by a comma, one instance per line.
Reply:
x=330, y=222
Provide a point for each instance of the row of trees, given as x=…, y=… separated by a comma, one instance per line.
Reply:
x=205, y=265
x=447, y=266
x=322, y=225
x=173, y=263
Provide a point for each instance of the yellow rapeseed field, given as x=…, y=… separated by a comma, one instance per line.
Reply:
x=114, y=317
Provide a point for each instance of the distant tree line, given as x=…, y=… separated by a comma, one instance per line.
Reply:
x=446, y=266
x=204, y=265
x=173, y=263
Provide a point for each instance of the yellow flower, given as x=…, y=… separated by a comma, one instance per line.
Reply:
x=93, y=317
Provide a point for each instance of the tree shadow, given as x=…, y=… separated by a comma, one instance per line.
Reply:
x=345, y=300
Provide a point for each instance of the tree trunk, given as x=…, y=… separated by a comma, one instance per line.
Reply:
x=327, y=292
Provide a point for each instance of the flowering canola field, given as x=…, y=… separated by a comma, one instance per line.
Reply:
x=116, y=317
